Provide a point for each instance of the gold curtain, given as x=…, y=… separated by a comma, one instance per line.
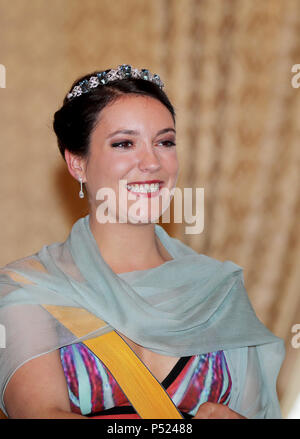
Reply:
x=227, y=68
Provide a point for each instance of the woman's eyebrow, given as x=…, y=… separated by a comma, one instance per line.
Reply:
x=135, y=133
x=166, y=130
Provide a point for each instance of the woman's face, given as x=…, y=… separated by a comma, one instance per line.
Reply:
x=134, y=140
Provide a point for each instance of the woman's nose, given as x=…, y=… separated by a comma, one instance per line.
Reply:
x=148, y=160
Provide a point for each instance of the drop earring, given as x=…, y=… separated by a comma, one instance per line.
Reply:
x=81, y=193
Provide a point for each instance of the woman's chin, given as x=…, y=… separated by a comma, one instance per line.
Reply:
x=143, y=219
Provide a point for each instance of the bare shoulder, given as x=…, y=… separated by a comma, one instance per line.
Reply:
x=37, y=388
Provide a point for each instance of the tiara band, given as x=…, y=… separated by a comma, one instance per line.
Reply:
x=123, y=71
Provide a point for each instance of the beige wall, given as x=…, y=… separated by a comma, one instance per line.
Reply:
x=44, y=48
x=227, y=67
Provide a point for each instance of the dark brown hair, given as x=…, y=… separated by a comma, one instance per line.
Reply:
x=75, y=120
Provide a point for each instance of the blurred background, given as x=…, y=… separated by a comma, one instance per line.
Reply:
x=227, y=66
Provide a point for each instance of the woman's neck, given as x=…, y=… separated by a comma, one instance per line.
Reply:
x=129, y=247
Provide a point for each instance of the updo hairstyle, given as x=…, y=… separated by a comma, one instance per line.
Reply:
x=74, y=122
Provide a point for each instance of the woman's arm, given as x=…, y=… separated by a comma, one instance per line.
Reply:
x=211, y=410
x=38, y=389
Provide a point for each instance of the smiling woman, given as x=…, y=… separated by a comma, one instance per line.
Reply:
x=122, y=320
x=146, y=156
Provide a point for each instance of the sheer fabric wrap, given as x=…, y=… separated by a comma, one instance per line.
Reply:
x=192, y=304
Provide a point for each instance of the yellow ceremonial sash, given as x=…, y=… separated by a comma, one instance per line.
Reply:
x=144, y=392
x=142, y=389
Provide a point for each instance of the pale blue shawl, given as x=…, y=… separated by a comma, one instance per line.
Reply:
x=190, y=305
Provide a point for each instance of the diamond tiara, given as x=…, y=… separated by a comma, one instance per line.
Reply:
x=123, y=71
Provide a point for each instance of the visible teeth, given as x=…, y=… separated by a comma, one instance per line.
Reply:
x=143, y=188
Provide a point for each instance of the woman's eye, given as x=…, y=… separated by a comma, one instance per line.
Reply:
x=125, y=144
x=168, y=143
